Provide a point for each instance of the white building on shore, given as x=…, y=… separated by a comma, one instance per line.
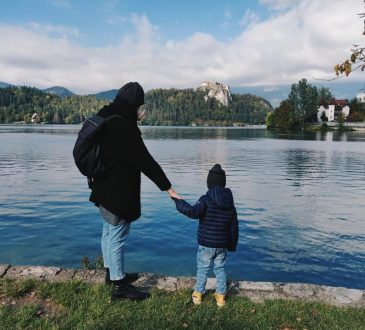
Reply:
x=35, y=118
x=333, y=109
x=360, y=97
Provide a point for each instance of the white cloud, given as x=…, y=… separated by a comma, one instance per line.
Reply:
x=59, y=30
x=279, y=4
x=61, y=3
x=143, y=26
x=116, y=19
x=227, y=19
x=227, y=14
x=302, y=42
x=249, y=19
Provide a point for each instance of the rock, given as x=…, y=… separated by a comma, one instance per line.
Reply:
x=64, y=275
x=146, y=281
x=299, y=290
x=185, y=283
x=256, y=286
x=260, y=296
x=91, y=276
x=216, y=90
x=37, y=272
x=167, y=283
x=3, y=269
x=342, y=296
x=259, y=291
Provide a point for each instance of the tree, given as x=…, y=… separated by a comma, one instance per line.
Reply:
x=325, y=95
x=304, y=99
x=282, y=118
x=56, y=118
x=357, y=111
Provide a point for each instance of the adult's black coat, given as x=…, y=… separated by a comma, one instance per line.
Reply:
x=124, y=150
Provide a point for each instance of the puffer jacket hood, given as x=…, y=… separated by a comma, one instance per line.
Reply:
x=222, y=197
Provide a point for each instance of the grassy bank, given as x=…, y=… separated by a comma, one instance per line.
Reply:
x=32, y=304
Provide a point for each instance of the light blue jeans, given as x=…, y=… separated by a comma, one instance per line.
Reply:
x=115, y=232
x=206, y=256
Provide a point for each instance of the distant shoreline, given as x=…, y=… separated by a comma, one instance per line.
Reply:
x=162, y=126
x=333, y=127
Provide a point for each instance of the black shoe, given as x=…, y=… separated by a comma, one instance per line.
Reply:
x=123, y=290
x=129, y=277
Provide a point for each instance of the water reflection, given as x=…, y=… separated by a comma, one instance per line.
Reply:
x=302, y=165
x=229, y=133
x=198, y=133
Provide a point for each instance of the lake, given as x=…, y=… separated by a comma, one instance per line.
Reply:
x=300, y=200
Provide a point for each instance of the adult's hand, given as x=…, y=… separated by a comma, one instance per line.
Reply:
x=172, y=193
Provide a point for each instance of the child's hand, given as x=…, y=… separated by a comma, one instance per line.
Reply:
x=173, y=194
x=141, y=114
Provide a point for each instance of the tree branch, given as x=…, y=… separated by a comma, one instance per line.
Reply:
x=340, y=76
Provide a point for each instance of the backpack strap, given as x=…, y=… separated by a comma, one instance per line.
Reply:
x=112, y=117
x=96, y=120
x=99, y=121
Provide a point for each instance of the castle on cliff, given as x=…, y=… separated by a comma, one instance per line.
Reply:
x=216, y=90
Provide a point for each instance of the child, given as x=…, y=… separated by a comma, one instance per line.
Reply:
x=217, y=233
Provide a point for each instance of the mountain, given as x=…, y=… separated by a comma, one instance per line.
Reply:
x=4, y=84
x=59, y=91
x=56, y=90
x=164, y=107
x=181, y=107
x=20, y=103
x=277, y=93
x=107, y=95
x=341, y=89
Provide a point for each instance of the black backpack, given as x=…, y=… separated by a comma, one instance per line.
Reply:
x=87, y=151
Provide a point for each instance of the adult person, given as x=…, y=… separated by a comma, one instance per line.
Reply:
x=118, y=193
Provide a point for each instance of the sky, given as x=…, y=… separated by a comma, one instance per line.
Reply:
x=89, y=46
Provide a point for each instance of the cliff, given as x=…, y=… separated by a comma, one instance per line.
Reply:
x=216, y=90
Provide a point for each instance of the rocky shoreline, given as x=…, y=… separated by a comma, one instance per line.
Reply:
x=256, y=291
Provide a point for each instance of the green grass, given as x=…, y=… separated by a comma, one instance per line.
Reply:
x=32, y=304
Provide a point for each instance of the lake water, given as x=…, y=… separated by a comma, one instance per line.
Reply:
x=300, y=202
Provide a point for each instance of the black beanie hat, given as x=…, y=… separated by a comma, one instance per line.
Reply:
x=216, y=177
x=131, y=93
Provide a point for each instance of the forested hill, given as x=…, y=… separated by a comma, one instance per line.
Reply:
x=188, y=106
x=18, y=104
x=163, y=107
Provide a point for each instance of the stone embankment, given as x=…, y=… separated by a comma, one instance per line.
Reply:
x=257, y=291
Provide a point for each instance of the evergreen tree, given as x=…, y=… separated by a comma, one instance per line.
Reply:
x=304, y=99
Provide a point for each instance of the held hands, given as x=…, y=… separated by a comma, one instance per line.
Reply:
x=173, y=194
x=141, y=114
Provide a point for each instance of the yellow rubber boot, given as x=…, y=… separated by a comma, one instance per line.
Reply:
x=220, y=299
x=197, y=297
